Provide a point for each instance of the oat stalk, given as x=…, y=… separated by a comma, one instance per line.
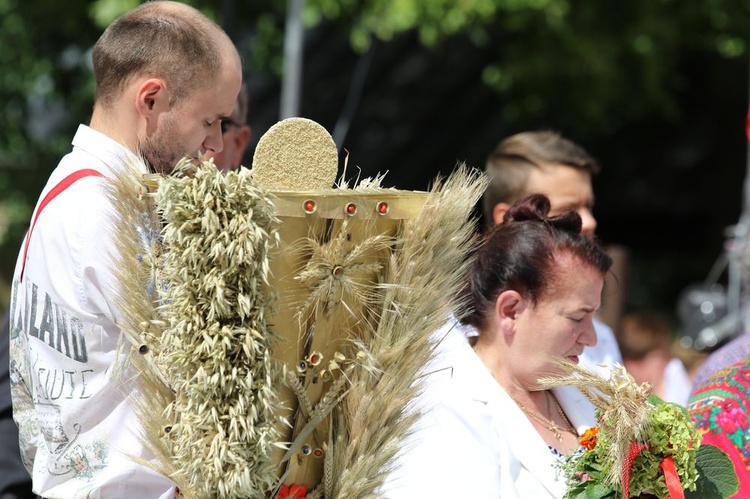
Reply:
x=193, y=298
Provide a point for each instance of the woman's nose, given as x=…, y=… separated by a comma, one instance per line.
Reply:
x=588, y=336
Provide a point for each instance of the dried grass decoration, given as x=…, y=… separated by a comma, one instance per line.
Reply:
x=642, y=445
x=196, y=320
x=296, y=154
x=364, y=275
x=359, y=280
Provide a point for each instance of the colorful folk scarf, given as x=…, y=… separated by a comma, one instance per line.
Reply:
x=720, y=408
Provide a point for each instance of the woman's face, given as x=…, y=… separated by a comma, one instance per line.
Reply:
x=560, y=324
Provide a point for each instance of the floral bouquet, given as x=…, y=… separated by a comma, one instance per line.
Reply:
x=642, y=446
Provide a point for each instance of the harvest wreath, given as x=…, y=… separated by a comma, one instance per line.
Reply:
x=642, y=446
x=276, y=327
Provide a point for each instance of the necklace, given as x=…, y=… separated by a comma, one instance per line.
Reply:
x=548, y=423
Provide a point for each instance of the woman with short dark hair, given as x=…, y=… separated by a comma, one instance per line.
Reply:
x=488, y=429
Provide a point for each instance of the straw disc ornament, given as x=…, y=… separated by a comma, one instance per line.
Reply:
x=296, y=154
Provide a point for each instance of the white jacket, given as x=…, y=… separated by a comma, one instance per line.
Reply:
x=77, y=427
x=473, y=440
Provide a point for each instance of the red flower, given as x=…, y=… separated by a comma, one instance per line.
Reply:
x=731, y=417
x=294, y=491
x=588, y=439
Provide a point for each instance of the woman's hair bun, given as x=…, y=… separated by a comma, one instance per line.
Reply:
x=536, y=208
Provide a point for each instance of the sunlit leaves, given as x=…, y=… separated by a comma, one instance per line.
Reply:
x=103, y=12
x=731, y=46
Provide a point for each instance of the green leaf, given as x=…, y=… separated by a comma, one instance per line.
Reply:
x=590, y=490
x=599, y=491
x=576, y=493
x=717, y=478
x=656, y=401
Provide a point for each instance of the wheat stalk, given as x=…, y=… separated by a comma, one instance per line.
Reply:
x=424, y=273
x=622, y=406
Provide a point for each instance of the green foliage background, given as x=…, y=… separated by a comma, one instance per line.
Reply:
x=603, y=70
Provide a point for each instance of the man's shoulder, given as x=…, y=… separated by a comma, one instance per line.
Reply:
x=92, y=151
x=77, y=181
x=73, y=215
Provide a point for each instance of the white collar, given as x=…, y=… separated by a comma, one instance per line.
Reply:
x=110, y=152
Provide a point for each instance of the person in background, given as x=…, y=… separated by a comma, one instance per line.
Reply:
x=236, y=135
x=487, y=429
x=646, y=344
x=544, y=162
x=692, y=358
x=166, y=78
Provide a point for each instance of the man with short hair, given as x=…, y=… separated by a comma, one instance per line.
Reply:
x=166, y=78
x=544, y=162
x=540, y=162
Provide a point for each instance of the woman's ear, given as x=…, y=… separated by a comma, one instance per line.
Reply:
x=508, y=306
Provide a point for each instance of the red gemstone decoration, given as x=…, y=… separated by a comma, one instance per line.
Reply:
x=382, y=208
x=309, y=206
x=337, y=271
x=314, y=359
x=318, y=453
x=351, y=209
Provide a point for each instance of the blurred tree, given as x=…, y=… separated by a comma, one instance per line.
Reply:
x=45, y=91
x=613, y=75
x=581, y=59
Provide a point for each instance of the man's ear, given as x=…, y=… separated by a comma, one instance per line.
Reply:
x=242, y=137
x=508, y=306
x=151, y=98
x=498, y=212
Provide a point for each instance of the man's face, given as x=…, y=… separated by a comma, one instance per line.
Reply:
x=194, y=124
x=567, y=189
